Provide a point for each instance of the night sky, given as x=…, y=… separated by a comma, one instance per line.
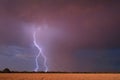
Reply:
x=75, y=35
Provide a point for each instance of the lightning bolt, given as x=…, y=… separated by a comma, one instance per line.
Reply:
x=39, y=53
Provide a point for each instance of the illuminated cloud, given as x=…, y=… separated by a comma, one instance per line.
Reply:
x=73, y=25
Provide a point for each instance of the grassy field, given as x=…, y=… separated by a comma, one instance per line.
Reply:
x=57, y=76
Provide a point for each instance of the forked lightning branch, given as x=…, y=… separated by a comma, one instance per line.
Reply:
x=40, y=53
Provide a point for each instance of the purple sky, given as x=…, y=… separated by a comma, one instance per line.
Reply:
x=79, y=35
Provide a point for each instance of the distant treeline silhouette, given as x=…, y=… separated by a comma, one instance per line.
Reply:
x=7, y=70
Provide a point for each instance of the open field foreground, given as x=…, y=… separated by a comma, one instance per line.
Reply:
x=57, y=76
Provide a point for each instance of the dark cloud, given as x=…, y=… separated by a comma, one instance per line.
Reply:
x=98, y=60
x=72, y=25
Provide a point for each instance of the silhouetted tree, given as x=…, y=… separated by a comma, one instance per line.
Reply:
x=6, y=70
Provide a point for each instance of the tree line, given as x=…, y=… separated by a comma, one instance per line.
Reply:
x=6, y=70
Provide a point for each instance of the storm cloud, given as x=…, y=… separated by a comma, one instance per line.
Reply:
x=85, y=28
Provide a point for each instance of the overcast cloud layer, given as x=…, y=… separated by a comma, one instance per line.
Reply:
x=79, y=34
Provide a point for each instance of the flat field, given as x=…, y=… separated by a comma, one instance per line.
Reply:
x=58, y=76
